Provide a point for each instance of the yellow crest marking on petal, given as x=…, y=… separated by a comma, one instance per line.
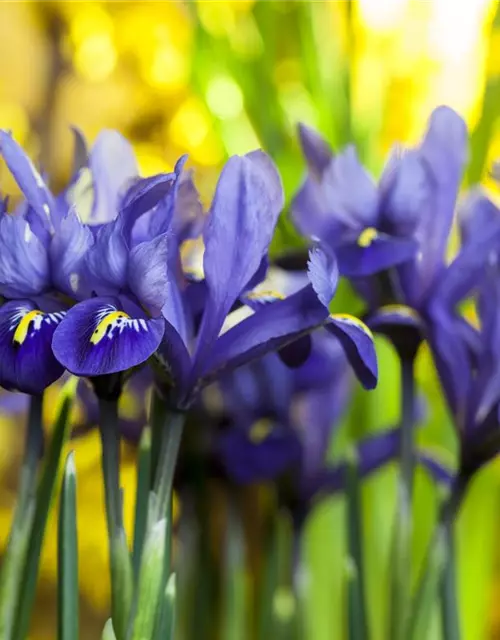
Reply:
x=22, y=328
x=401, y=309
x=108, y=321
x=270, y=294
x=260, y=430
x=352, y=320
x=367, y=236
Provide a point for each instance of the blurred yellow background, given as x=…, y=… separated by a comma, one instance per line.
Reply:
x=216, y=78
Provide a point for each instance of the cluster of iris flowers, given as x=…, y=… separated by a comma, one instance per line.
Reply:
x=125, y=281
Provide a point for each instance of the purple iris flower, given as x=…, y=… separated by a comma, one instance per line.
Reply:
x=401, y=226
x=44, y=247
x=280, y=422
x=236, y=238
x=467, y=357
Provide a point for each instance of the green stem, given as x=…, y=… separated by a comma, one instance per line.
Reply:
x=142, y=497
x=173, y=427
x=17, y=546
x=450, y=619
x=121, y=566
x=401, y=573
x=358, y=625
x=437, y=556
x=157, y=424
x=234, y=619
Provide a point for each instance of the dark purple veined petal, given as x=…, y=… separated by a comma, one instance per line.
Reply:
x=106, y=335
x=68, y=249
x=27, y=363
x=269, y=329
x=357, y=341
x=316, y=150
x=239, y=228
x=31, y=183
x=24, y=263
x=373, y=252
x=113, y=166
x=262, y=452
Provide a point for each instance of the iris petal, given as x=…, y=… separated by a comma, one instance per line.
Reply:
x=106, y=335
x=26, y=359
x=245, y=209
x=366, y=256
x=24, y=263
x=29, y=180
x=357, y=342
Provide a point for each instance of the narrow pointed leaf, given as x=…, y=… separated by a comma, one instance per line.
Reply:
x=45, y=494
x=67, y=553
x=142, y=497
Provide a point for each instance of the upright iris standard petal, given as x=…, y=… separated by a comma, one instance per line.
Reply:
x=351, y=193
x=106, y=335
x=246, y=206
x=148, y=271
x=106, y=261
x=143, y=195
x=68, y=249
x=113, y=166
x=27, y=363
x=357, y=342
x=405, y=189
x=316, y=150
x=29, y=180
x=444, y=150
x=24, y=263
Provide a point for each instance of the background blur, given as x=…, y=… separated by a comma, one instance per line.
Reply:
x=216, y=78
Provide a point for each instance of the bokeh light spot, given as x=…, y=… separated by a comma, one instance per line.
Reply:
x=95, y=57
x=224, y=97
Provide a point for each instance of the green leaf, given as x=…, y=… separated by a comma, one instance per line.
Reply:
x=142, y=497
x=67, y=553
x=234, y=612
x=44, y=498
x=166, y=628
x=358, y=625
x=21, y=528
x=108, y=632
x=150, y=580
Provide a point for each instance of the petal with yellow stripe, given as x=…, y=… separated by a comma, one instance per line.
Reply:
x=106, y=335
x=26, y=359
x=357, y=342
